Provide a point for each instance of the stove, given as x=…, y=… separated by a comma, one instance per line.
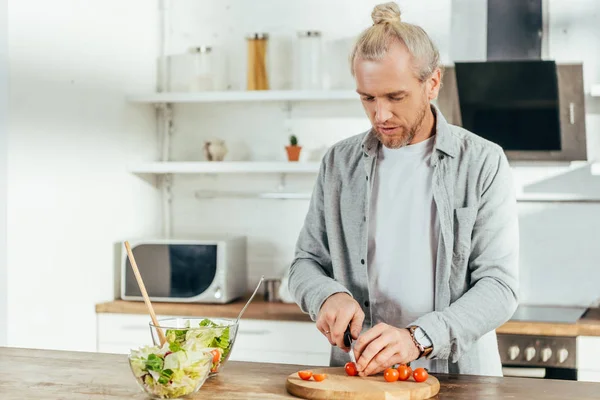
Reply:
x=550, y=357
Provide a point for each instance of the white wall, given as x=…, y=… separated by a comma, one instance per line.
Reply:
x=259, y=131
x=3, y=154
x=72, y=136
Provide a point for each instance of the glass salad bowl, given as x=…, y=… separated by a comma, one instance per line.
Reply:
x=215, y=335
x=163, y=374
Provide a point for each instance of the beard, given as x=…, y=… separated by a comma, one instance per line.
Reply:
x=406, y=135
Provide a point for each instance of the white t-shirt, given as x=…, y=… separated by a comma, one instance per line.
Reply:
x=403, y=237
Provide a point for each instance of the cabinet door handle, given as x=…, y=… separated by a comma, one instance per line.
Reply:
x=253, y=332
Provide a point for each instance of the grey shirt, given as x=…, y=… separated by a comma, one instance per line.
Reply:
x=476, y=277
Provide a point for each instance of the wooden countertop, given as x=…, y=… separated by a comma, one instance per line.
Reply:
x=51, y=375
x=258, y=309
x=588, y=325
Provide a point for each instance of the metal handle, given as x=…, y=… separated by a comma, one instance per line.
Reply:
x=524, y=372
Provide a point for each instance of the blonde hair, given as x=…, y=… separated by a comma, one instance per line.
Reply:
x=374, y=42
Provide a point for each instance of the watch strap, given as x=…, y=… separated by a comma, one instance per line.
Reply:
x=421, y=340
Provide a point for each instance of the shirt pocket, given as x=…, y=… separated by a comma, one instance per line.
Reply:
x=464, y=220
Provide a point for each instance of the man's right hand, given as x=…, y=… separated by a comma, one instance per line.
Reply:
x=337, y=312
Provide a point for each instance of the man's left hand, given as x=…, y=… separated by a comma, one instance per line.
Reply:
x=383, y=346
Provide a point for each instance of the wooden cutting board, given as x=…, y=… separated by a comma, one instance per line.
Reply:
x=339, y=385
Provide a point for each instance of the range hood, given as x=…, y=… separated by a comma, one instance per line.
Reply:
x=533, y=108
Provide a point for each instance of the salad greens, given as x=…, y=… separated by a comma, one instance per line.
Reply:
x=184, y=361
x=168, y=375
x=208, y=336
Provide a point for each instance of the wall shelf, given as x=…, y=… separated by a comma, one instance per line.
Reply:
x=226, y=167
x=244, y=96
x=595, y=90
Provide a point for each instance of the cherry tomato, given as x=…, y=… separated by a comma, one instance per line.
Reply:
x=404, y=372
x=216, y=356
x=351, y=369
x=391, y=375
x=319, y=377
x=420, y=374
x=305, y=375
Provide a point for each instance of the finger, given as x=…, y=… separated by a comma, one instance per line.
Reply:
x=366, y=338
x=339, y=327
x=357, y=323
x=324, y=329
x=371, y=351
x=326, y=323
x=381, y=360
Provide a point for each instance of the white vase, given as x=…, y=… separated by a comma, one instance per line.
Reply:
x=215, y=150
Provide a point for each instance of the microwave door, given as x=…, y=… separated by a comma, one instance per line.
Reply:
x=173, y=272
x=193, y=269
x=153, y=262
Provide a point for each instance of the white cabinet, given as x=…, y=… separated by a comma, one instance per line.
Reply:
x=283, y=342
x=588, y=358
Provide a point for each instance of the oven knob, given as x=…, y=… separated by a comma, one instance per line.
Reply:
x=529, y=353
x=513, y=352
x=562, y=355
x=218, y=293
x=546, y=354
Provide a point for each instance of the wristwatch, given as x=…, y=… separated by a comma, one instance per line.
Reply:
x=421, y=340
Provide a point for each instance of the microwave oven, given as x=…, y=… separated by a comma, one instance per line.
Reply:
x=204, y=270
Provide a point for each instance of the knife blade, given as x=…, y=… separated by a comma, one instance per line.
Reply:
x=348, y=343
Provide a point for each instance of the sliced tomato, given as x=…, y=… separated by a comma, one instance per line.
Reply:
x=391, y=375
x=216, y=355
x=319, y=377
x=420, y=375
x=305, y=375
x=351, y=369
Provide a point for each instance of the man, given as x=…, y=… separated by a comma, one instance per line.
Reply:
x=411, y=237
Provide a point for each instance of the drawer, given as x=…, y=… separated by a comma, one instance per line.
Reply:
x=280, y=357
x=259, y=335
x=281, y=336
x=588, y=353
x=124, y=329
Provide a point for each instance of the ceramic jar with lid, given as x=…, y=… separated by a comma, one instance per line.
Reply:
x=308, y=64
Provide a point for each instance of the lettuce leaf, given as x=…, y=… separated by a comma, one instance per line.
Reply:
x=176, y=335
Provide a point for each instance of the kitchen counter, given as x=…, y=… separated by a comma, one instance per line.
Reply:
x=588, y=325
x=51, y=375
x=258, y=309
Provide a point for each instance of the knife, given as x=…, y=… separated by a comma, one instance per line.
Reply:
x=348, y=343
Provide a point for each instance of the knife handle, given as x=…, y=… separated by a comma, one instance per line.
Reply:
x=347, y=337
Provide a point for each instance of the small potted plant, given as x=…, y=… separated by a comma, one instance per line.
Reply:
x=293, y=150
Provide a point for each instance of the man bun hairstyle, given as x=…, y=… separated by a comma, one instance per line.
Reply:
x=373, y=43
